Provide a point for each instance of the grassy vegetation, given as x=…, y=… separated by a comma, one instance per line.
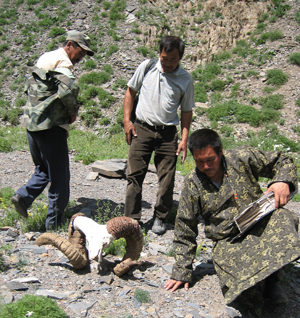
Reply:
x=33, y=306
x=142, y=296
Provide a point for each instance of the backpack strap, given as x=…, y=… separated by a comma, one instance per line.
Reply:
x=149, y=67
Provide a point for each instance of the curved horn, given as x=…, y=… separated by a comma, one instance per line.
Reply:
x=129, y=229
x=74, y=249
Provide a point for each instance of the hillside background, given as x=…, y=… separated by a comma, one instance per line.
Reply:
x=244, y=57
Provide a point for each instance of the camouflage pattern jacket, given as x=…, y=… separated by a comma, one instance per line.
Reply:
x=52, y=99
x=218, y=206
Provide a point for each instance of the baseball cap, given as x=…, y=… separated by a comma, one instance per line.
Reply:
x=81, y=39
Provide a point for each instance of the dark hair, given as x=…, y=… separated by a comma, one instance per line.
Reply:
x=202, y=138
x=169, y=43
x=75, y=44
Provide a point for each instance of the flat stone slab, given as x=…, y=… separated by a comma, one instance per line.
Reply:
x=113, y=168
x=27, y=280
x=16, y=286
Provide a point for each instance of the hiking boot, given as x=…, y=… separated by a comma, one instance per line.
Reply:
x=275, y=294
x=159, y=227
x=20, y=205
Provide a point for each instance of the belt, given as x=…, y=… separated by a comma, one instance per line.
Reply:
x=154, y=127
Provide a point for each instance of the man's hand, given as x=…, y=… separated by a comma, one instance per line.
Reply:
x=174, y=284
x=282, y=193
x=129, y=131
x=182, y=147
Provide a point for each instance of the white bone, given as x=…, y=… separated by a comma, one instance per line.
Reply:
x=96, y=236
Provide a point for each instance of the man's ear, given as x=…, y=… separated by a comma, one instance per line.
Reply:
x=69, y=45
x=221, y=151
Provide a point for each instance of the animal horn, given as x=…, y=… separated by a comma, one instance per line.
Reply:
x=74, y=249
x=130, y=230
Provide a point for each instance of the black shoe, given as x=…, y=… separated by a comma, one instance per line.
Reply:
x=159, y=227
x=20, y=205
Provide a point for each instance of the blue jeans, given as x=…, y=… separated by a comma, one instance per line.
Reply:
x=49, y=152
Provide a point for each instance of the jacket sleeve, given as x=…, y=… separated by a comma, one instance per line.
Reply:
x=186, y=231
x=274, y=165
x=67, y=93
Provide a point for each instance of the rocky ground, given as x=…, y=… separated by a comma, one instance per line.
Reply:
x=96, y=291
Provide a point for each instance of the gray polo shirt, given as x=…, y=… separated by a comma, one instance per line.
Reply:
x=161, y=94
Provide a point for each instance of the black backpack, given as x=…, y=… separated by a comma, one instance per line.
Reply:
x=149, y=66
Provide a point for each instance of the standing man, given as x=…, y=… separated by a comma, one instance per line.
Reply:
x=51, y=107
x=162, y=90
x=220, y=187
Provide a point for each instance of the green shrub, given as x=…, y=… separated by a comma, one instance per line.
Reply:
x=89, y=65
x=20, y=102
x=296, y=129
x=200, y=94
x=275, y=35
x=142, y=49
x=297, y=17
x=5, y=145
x=142, y=296
x=46, y=22
x=272, y=101
x=3, y=47
x=235, y=89
x=117, y=247
x=252, y=73
x=108, y=69
x=298, y=102
x=107, y=210
x=213, y=68
x=120, y=83
x=247, y=114
x=222, y=56
x=56, y=31
x=221, y=112
x=116, y=129
x=276, y=77
x=95, y=78
x=112, y=49
x=40, y=306
x=217, y=85
x=294, y=58
x=104, y=121
x=242, y=48
x=106, y=5
x=226, y=130
x=90, y=114
x=269, y=115
x=136, y=30
x=296, y=198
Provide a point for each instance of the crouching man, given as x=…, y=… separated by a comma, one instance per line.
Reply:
x=221, y=186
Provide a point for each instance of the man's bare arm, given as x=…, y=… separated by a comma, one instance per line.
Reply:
x=186, y=118
x=127, y=109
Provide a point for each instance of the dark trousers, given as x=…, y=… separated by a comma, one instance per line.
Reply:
x=164, y=143
x=49, y=152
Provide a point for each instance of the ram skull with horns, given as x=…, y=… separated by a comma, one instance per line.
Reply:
x=82, y=229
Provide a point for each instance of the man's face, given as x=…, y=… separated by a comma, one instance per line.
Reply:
x=75, y=55
x=208, y=162
x=169, y=60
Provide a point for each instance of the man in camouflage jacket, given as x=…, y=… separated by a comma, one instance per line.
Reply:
x=51, y=107
x=220, y=187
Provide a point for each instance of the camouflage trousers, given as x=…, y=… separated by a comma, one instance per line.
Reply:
x=270, y=245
